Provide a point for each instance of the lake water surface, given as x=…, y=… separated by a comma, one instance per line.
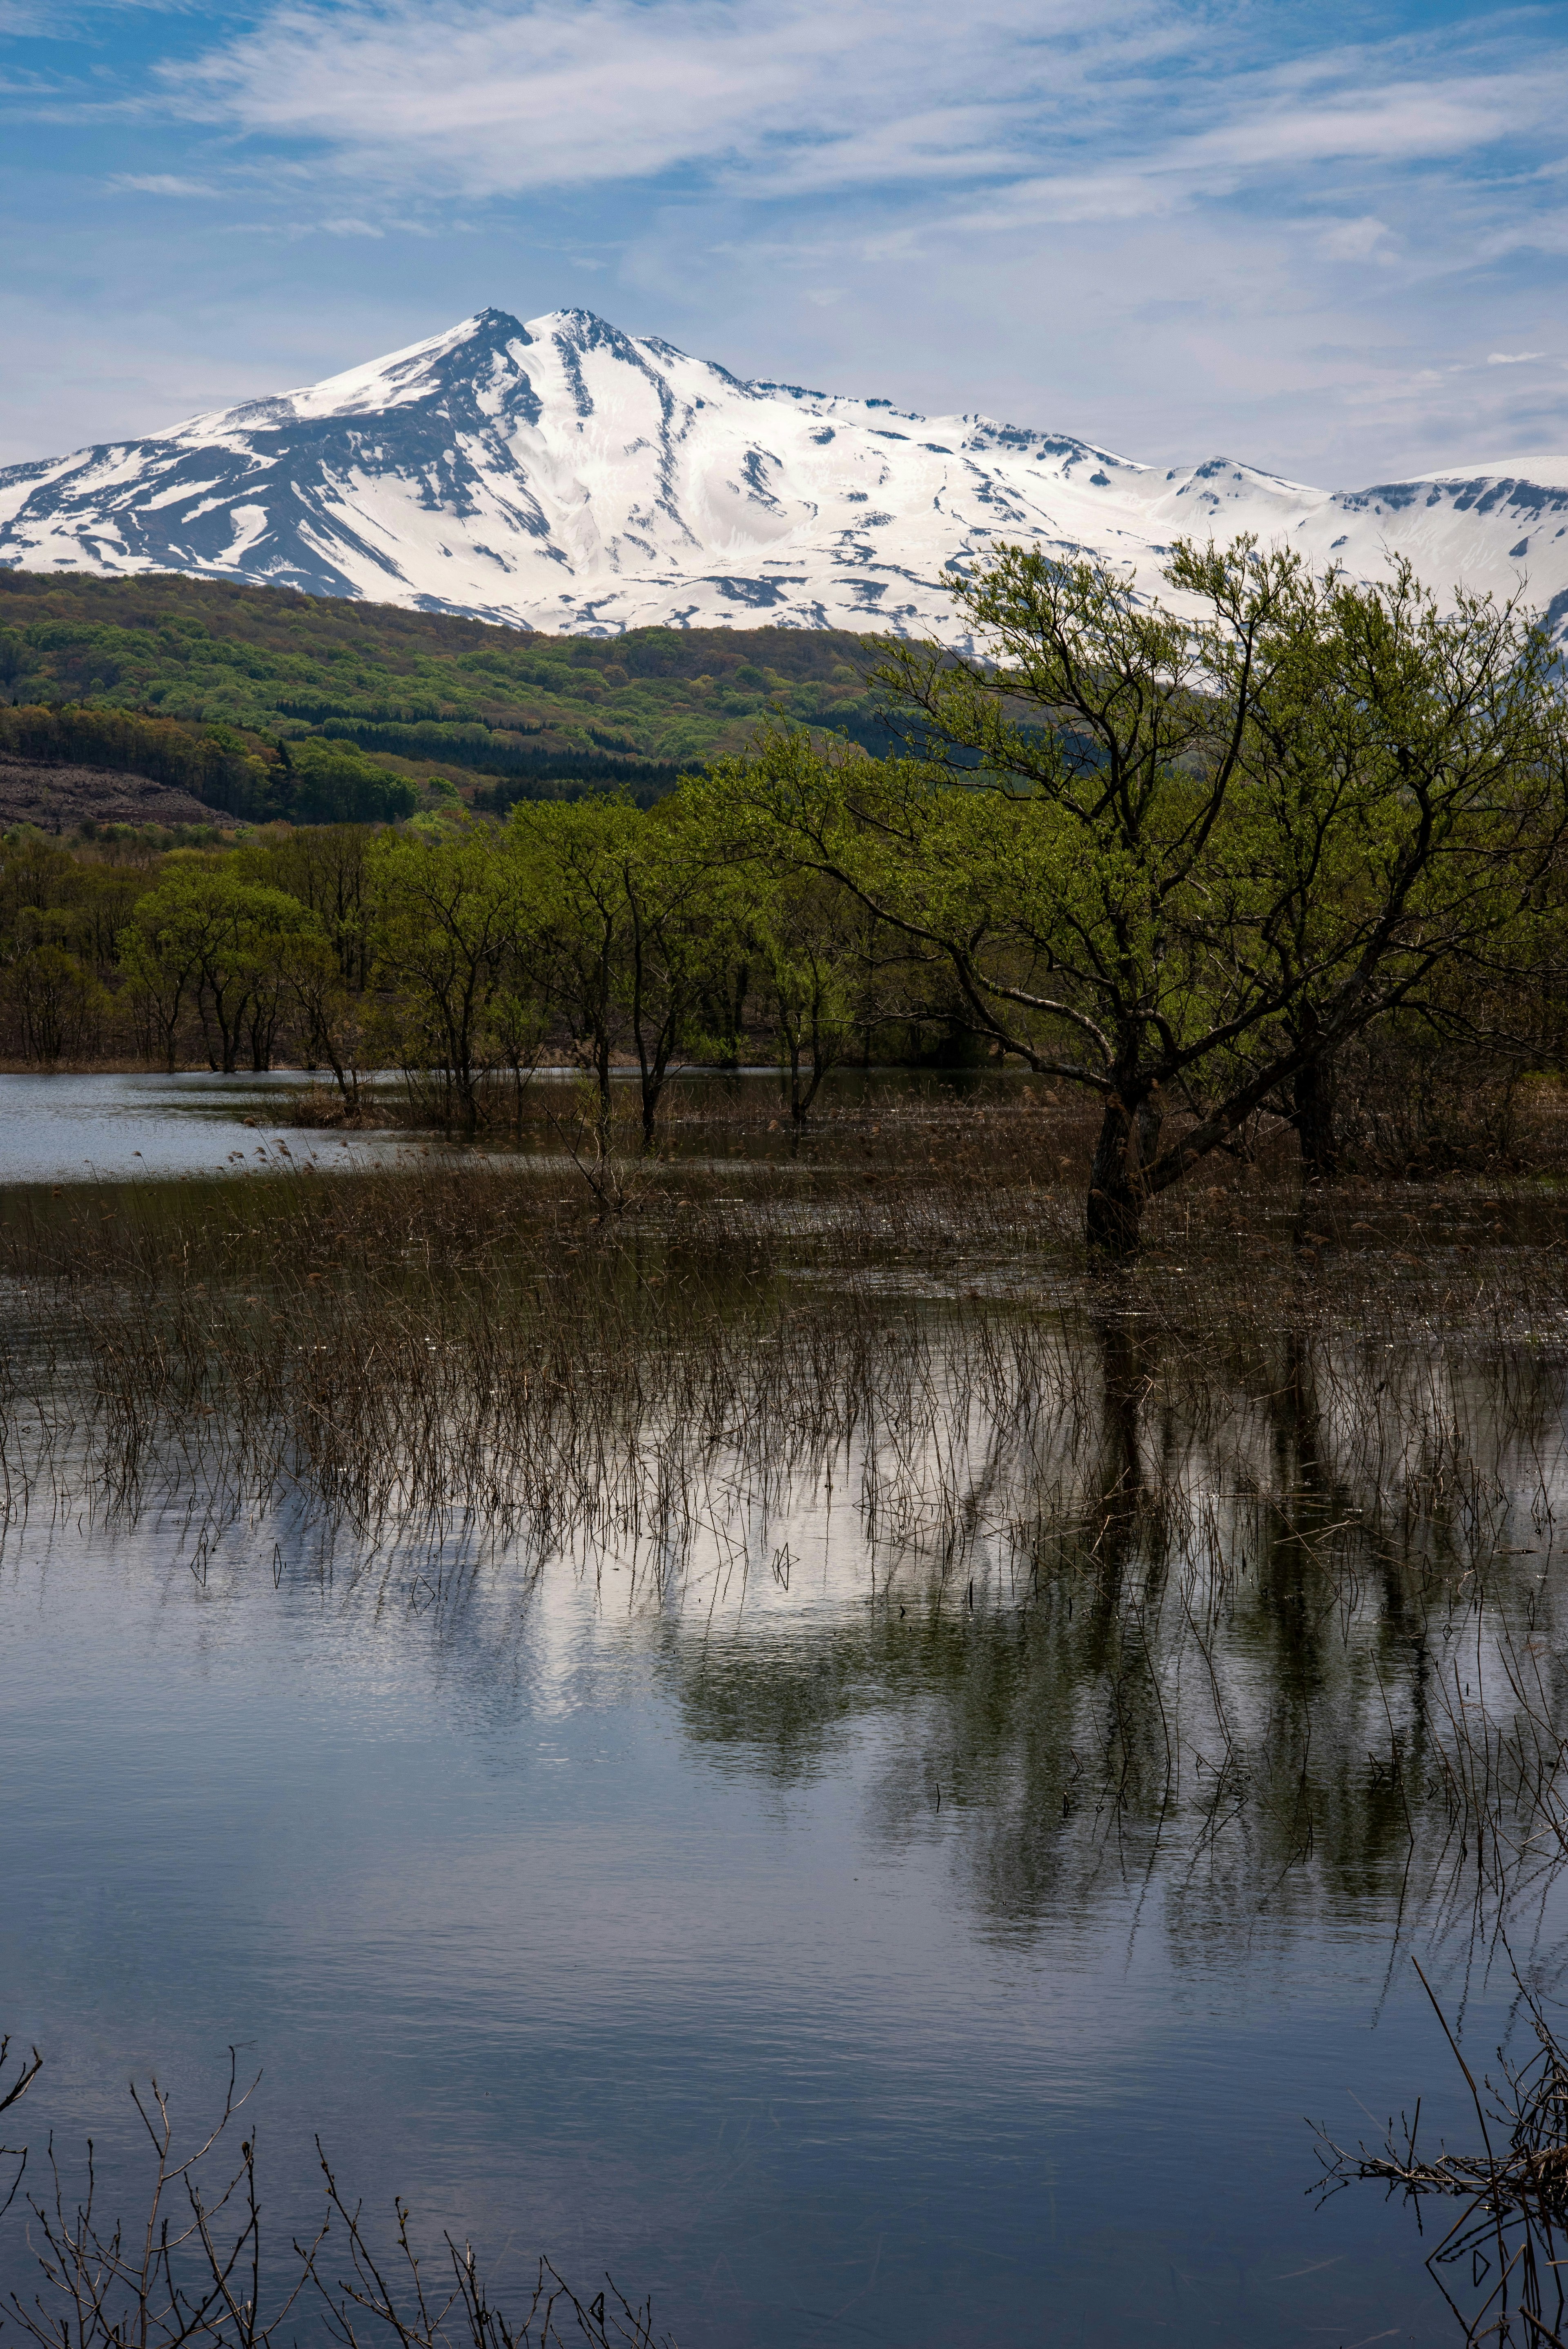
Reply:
x=738, y=1928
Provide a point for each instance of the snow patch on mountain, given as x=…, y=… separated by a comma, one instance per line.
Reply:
x=565, y=476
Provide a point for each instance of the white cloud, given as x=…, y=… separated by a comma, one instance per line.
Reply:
x=789, y=97
x=501, y=100
x=1064, y=198
x=1176, y=225
x=161, y=183
x=1408, y=120
x=1366, y=239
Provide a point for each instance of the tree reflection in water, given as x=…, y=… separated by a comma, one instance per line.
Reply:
x=1268, y=1631
x=1242, y=1590
x=1233, y=1606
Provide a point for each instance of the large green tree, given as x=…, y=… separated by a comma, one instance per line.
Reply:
x=1177, y=852
x=811, y=946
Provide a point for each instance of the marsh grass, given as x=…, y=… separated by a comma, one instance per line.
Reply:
x=1407, y=1108
x=197, y=2267
x=1500, y=2261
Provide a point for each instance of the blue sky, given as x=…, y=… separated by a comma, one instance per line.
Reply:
x=1330, y=239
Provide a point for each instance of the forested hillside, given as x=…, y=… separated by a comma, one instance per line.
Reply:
x=1211, y=911
x=498, y=712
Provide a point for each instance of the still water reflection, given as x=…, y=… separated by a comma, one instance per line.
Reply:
x=918, y=1904
x=645, y=1938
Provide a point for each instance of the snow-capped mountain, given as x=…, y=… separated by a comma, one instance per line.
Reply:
x=564, y=476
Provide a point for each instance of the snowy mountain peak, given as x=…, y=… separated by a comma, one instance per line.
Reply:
x=561, y=474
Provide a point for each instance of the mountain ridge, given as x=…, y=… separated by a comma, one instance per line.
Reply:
x=559, y=474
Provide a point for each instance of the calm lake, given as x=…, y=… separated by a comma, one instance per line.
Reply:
x=757, y=1919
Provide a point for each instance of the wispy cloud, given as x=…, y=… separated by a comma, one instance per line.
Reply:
x=161, y=183
x=501, y=100
x=504, y=97
x=1327, y=239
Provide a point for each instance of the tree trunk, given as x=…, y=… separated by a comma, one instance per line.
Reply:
x=797, y=1105
x=324, y=1049
x=1116, y=1203
x=1312, y=1115
x=1299, y=1418
x=1122, y=1495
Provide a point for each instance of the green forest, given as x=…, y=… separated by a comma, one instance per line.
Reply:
x=1287, y=858
x=267, y=703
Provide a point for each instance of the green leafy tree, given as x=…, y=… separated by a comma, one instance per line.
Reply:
x=1179, y=860
x=332, y=1022
x=448, y=914
x=59, y=1007
x=206, y=936
x=633, y=915
x=334, y=782
x=325, y=867
x=159, y=957
x=811, y=939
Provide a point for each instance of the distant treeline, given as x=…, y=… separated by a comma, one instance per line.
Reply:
x=325, y=779
x=212, y=768
x=325, y=783
x=641, y=782
x=493, y=750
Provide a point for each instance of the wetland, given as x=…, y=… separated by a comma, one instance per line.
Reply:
x=793, y=1745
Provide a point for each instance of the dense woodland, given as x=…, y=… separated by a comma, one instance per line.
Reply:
x=1295, y=867
x=315, y=709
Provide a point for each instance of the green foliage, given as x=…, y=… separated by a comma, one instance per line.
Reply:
x=449, y=915
x=206, y=934
x=1183, y=855
x=811, y=938
x=214, y=767
x=57, y=1004
x=622, y=711
x=334, y=783
x=631, y=918
x=319, y=783
x=47, y=890
x=1178, y=860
